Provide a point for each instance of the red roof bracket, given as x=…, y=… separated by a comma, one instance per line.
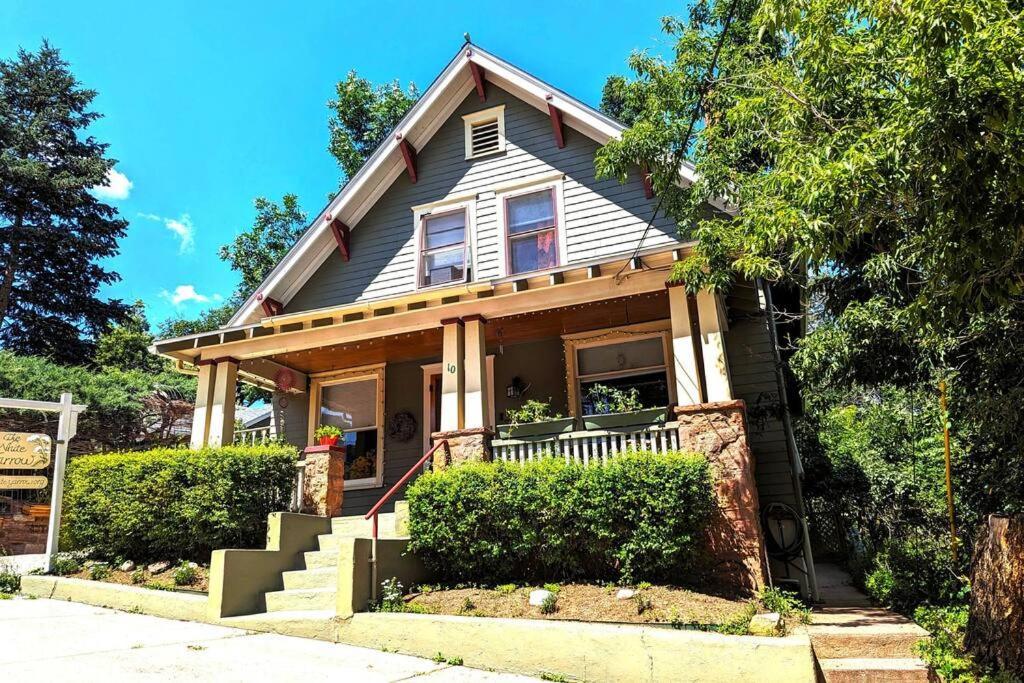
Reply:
x=478, y=79
x=645, y=175
x=271, y=306
x=556, y=123
x=341, y=236
x=409, y=154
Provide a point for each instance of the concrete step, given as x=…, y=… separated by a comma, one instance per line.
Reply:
x=324, y=577
x=301, y=599
x=872, y=633
x=871, y=670
x=356, y=526
x=318, y=559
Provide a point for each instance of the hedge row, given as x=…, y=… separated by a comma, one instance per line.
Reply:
x=173, y=503
x=638, y=518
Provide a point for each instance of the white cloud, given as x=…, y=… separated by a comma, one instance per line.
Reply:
x=181, y=227
x=187, y=293
x=117, y=187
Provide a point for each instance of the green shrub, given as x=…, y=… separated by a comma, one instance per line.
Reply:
x=549, y=605
x=99, y=571
x=639, y=517
x=174, y=502
x=945, y=651
x=10, y=582
x=64, y=564
x=185, y=574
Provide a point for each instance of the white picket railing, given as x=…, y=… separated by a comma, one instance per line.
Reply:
x=588, y=446
x=253, y=437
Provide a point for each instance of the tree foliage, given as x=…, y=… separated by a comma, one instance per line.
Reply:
x=362, y=116
x=255, y=251
x=126, y=346
x=52, y=229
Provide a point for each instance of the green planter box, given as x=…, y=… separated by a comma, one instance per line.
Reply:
x=648, y=417
x=545, y=428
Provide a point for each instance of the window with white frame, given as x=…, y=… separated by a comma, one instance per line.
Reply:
x=624, y=364
x=485, y=132
x=443, y=247
x=531, y=231
x=354, y=403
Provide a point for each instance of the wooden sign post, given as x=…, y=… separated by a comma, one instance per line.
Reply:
x=32, y=451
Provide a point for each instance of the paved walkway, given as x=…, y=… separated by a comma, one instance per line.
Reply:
x=50, y=640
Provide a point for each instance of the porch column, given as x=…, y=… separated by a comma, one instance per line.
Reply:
x=204, y=402
x=222, y=413
x=684, y=358
x=477, y=392
x=712, y=331
x=453, y=376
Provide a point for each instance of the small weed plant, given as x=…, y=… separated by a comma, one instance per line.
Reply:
x=186, y=574
x=391, y=596
x=550, y=604
x=99, y=571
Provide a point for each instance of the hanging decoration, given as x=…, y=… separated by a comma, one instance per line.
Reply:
x=402, y=426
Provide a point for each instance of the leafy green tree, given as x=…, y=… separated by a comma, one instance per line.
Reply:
x=52, y=229
x=256, y=251
x=362, y=116
x=126, y=346
x=207, y=321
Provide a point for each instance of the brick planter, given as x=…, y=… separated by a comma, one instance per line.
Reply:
x=323, y=482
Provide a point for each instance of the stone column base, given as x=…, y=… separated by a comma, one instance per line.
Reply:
x=323, y=482
x=734, y=538
x=464, y=445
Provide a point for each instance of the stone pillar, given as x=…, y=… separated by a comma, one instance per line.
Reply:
x=712, y=336
x=734, y=538
x=323, y=481
x=683, y=357
x=204, y=402
x=453, y=376
x=477, y=410
x=464, y=445
x=222, y=412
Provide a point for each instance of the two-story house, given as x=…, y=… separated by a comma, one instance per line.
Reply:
x=473, y=263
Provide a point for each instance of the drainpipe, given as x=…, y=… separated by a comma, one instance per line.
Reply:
x=795, y=466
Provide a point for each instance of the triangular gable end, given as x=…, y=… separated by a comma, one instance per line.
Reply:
x=471, y=69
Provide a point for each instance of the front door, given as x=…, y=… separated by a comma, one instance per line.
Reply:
x=432, y=399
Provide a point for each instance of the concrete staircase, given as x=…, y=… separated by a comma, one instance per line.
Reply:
x=855, y=642
x=314, y=587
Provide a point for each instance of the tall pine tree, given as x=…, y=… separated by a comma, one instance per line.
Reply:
x=52, y=230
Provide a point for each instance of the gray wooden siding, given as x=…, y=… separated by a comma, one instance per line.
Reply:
x=752, y=369
x=602, y=218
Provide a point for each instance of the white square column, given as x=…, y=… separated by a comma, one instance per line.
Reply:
x=453, y=376
x=477, y=410
x=222, y=413
x=684, y=359
x=713, y=325
x=203, y=404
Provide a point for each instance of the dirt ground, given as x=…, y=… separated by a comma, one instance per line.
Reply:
x=162, y=581
x=584, y=602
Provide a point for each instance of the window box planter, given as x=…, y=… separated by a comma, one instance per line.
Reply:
x=542, y=428
x=648, y=417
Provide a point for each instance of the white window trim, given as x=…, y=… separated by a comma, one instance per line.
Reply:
x=342, y=377
x=431, y=369
x=469, y=120
x=447, y=206
x=528, y=186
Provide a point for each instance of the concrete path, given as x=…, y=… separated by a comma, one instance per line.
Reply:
x=50, y=640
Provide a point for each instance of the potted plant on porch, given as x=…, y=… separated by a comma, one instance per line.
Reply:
x=328, y=435
x=615, y=408
x=533, y=418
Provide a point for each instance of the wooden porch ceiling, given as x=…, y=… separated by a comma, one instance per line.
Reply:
x=426, y=344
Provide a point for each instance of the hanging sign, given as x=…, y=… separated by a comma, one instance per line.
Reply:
x=20, y=451
x=21, y=482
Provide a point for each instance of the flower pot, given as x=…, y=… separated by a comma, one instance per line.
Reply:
x=648, y=417
x=329, y=440
x=543, y=428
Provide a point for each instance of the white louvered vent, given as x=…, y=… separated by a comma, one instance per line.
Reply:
x=485, y=132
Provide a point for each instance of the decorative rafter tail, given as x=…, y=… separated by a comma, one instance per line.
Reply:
x=478, y=80
x=341, y=236
x=556, y=124
x=409, y=154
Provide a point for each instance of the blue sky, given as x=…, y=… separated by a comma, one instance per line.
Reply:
x=209, y=104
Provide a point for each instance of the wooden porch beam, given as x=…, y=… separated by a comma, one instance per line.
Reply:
x=341, y=236
x=478, y=80
x=409, y=154
x=271, y=306
x=556, y=123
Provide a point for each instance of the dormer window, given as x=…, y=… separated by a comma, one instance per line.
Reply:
x=485, y=132
x=443, y=248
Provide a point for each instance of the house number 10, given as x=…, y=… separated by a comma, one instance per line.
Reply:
x=451, y=368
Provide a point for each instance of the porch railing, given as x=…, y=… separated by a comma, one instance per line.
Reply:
x=588, y=446
x=253, y=437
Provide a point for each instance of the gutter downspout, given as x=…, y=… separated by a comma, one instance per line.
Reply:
x=795, y=466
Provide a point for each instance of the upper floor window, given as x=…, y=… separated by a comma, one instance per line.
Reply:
x=531, y=228
x=443, y=248
x=485, y=132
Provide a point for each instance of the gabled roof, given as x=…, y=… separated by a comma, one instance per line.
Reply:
x=386, y=163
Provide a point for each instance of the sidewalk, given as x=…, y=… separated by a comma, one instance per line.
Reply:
x=54, y=640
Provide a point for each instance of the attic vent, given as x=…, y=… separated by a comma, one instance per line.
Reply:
x=485, y=132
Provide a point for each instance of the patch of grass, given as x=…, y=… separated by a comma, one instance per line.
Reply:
x=556, y=678
x=441, y=658
x=506, y=589
x=197, y=648
x=418, y=609
x=643, y=585
x=154, y=586
x=5, y=596
x=553, y=587
x=426, y=588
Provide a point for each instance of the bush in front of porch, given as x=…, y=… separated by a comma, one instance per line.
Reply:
x=640, y=517
x=174, y=503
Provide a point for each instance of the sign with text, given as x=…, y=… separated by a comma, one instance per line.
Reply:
x=19, y=451
x=21, y=482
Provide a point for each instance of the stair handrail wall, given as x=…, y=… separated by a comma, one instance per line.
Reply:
x=375, y=510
